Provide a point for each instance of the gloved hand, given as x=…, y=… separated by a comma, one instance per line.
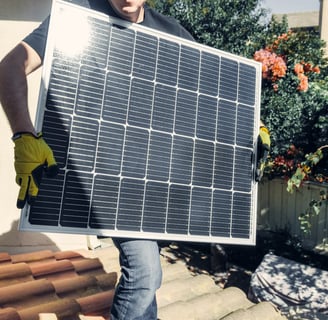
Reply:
x=33, y=157
x=263, y=149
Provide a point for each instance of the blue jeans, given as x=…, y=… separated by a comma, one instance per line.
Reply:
x=135, y=296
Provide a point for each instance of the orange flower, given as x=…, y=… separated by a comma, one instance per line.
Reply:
x=273, y=66
x=279, y=68
x=304, y=84
x=284, y=36
x=316, y=69
x=298, y=68
x=265, y=68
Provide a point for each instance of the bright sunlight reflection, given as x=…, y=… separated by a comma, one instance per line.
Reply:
x=73, y=33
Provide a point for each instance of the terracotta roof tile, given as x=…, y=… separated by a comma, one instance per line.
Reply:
x=74, y=287
x=14, y=273
x=4, y=258
x=107, y=281
x=9, y=314
x=33, y=256
x=27, y=293
x=71, y=255
x=89, y=266
x=63, y=308
x=53, y=269
x=97, y=303
x=79, y=285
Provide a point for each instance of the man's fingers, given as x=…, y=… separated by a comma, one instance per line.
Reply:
x=23, y=181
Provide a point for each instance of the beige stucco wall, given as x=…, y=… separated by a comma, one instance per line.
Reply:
x=300, y=19
x=18, y=18
x=324, y=22
x=310, y=19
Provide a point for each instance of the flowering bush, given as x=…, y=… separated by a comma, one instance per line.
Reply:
x=277, y=63
x=295, y=167
x=273, y=66
x=301, y=70
x=303, y=172
x=294, y=91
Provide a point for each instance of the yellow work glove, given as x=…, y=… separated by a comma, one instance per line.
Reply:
x=33, y=157
x=263, y=149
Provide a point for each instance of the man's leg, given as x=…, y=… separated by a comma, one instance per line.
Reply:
x=135, y=296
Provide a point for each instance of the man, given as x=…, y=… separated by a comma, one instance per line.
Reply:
x=135, y=296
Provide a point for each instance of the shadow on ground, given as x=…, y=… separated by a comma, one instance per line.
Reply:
x=233, y=265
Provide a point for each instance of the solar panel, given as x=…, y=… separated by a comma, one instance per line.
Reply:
x=155, y=135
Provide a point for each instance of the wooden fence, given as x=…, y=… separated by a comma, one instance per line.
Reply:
x=278, y=209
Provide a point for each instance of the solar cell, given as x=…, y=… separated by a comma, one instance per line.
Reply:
x=155, y=135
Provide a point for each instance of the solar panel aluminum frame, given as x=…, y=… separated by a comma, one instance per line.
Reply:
x=198, y=202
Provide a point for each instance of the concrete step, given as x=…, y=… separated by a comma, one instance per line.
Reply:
x=185, y=289
x=260, y=311
x=172, y=271
x=207, y=306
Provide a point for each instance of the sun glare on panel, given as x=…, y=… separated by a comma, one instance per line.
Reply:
x=73, y=33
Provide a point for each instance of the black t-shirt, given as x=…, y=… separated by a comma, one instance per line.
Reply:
x=152, y=19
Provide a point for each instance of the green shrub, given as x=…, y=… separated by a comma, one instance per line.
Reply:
x=295, y=105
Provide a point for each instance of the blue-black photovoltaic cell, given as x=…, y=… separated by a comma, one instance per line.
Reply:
x=228, y=86
x=246, y=93
x=116, y=97
x=163, y=108
x=76, y=199
x=135, y=153
x=144, y=65
x=200, y=211
x=109, y=149
x=203, y=164
x=105, y=195
x=181, y=160
x=240, y=222
x=122, y=42
x=140, y=104
x=185, y=113
x=159, y=156
x=224, y=167
x=226, y=122
x=154, y=136
x=188, y=68
x=222, y=217
x=168, y=62
x=90, y=92
x=178, y=207
x=206, y=117
x=154, y=217
x=209, y=69
x=130, y=204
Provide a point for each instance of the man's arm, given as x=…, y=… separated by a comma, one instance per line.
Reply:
x=33, y=156
x=14, y=68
